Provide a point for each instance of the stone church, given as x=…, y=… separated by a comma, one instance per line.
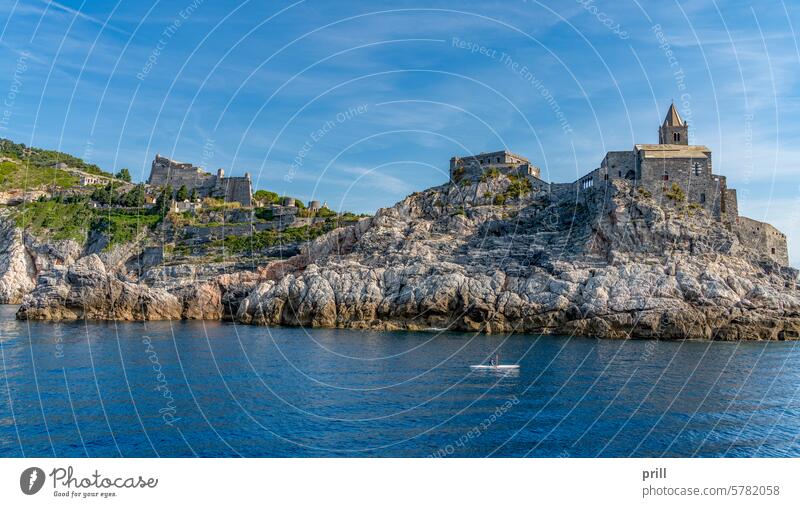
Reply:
x=663, y=170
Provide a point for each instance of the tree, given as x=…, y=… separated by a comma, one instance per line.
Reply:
x=163, y=201
x=182, y=194
x=134, y=198
x=266, y=196
x=104, y=195
x=124, y=174
x=193, y=197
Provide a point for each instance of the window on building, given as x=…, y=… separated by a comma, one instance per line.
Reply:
x=498, y=160
x=702, y=197
x=676, y=136
x=773, y=251
x=697, y=168
x=666, y=176
x=605, y=176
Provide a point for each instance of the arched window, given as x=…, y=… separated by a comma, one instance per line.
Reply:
x=676, y=136
x=697, y=168
x=666, y=176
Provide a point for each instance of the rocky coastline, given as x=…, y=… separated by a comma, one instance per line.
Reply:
x=613, y=264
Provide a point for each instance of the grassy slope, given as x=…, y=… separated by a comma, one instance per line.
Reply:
x=41, y=158
x=57, y=220
x=17, y=175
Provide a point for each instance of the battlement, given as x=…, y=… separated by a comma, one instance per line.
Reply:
x=165, y=171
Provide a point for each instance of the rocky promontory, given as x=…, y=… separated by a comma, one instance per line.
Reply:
x=483, y=255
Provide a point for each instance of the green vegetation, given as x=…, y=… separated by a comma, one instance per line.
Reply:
x=57, y=220
x=266, y=197
x=322, y=213
x=182, y=194
x=163, y=202
x=122, y=226
x=675, y=193
x=491, y=173
x=519, y=186
x=297, y=202
x=18, y=175
x=110, y=195
x=265, y=239
x=458, y=173
x=214, y=204
x=459, y=211
x=644, y=192
x=124, y=174
x=54, y=219
x=325, y=212
x=264, y=214
x=45, y=159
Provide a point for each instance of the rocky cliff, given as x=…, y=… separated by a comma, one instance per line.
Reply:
x=487, y=255
x=23, y=257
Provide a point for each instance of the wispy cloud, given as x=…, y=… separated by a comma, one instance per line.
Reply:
x=82, y=15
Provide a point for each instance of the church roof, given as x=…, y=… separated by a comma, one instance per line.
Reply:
x=673, y=119
x=673, y=151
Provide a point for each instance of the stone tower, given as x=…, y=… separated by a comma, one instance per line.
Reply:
x=674, y=130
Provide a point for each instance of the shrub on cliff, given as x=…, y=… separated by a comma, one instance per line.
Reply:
x=675, y=193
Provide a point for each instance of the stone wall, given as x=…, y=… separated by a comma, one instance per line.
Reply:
x=165, y=171
x=620, y=164
x=235, y=189
x=506, y=162
x=731, y=206
x=706, y=189
x=763, y=238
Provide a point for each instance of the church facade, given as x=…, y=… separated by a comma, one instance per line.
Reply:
x=673, y=169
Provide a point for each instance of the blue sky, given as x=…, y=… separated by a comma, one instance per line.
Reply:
x=360, y=103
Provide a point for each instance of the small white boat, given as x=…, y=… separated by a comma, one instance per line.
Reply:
x=495, y=366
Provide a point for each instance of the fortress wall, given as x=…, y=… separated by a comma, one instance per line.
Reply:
x=167, y=172
x=619, y=163
x=563, y=190
x=235, y=189
x=538, y=184
x=763, y=238
x=474, y=166
x=731, y=205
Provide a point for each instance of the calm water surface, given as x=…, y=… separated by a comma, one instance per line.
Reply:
x=219, y=389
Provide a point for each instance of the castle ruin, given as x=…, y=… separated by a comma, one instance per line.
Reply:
x=165, y=171
x=671, y=168
x=504, y=161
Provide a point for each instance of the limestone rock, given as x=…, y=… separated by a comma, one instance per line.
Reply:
x=613, y=264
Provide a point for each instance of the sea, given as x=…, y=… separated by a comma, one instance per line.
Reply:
x=218, y=389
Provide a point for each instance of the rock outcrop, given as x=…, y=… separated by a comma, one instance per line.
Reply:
x=23, y=257
x=609, y=263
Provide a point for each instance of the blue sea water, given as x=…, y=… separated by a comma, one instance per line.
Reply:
x=219, y=389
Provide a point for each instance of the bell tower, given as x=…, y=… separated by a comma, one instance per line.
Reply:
x=674, y=130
